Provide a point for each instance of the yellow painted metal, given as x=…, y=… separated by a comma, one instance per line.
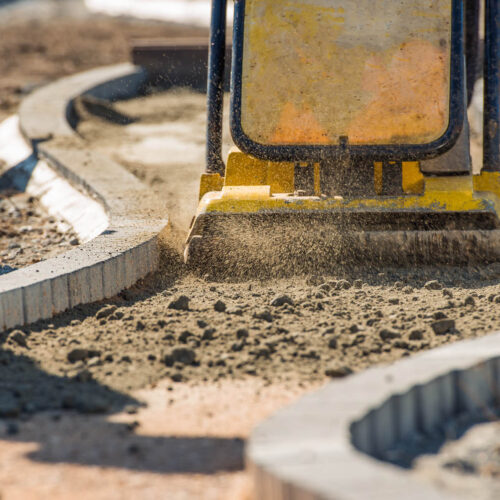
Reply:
x=487, y=184
x=317, y=180
x=210, y=182
x=461, y=185
x=413, y=179
x=245, y=170
x=299, y=54
x=487, y=181
x=280, y=177
x=440, y=194
x=251, y=185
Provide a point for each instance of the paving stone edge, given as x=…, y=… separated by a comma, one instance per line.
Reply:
x=327, y=445
x=127, y=250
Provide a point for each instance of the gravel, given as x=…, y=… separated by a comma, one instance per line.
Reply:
x=295, y=329
x=28, y=234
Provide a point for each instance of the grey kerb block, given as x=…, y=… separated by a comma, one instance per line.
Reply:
x=314, y=461
x=120, y=256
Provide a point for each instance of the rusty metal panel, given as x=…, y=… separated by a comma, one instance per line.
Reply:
x=376, y=71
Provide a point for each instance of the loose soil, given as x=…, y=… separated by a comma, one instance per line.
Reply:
x=175, y=335
x=193, y=330
x=28, y=233
x=42, y=41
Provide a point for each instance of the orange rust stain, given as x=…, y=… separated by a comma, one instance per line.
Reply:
x=410, y=96
x=299, y=127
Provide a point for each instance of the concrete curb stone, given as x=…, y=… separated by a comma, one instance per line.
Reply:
x=49, y=112
x=328, y=444
x=127, y=250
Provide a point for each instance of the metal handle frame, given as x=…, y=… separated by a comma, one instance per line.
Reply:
x=491, y=75
x=381, y=152
x=472, y=44
x=215, y=87
x=491, y=72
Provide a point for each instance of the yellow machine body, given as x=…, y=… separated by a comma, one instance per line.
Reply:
x=235, y=211
x=314, y=79
x=251, y=185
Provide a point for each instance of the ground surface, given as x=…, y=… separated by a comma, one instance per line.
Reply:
x=224, y=339
x=49, y=39
x=28, y=234
x=296, y=328
x=42, y=41
x=469, y=467
x=210, y=367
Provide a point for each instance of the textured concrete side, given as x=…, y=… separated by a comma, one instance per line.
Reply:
x=124, y=251
x=325, y=446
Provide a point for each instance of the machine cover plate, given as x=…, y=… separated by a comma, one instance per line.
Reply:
x=374, y=71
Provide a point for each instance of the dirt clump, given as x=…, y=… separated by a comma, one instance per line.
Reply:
x=464, y=462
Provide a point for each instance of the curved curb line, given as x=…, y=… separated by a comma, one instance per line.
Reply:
x=127, y=250
x=48, y=112
x=325, y=446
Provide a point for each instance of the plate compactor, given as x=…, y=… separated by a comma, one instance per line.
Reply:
x=349, y=120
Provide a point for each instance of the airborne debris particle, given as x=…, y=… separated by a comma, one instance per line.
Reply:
x=220, y=306
x=242, y=333
x=182, y=355
x=338, y=371
x=281, y=300
x=386, y=334
x=264, y=315
x=469, y=301
x=343, y=285
x=433, y=285
x=105, y=311
x=416, y=334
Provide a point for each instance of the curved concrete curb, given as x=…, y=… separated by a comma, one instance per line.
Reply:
x=122, y=254
x=326, y=445
x=49, y=113
x=33, y=176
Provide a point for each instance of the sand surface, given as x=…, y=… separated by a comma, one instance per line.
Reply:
x=195, y=346
x=48, y=39
x=28, y=233
x=186, y=380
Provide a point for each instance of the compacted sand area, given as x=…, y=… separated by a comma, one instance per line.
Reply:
x=300, y=331
x=153, y=393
